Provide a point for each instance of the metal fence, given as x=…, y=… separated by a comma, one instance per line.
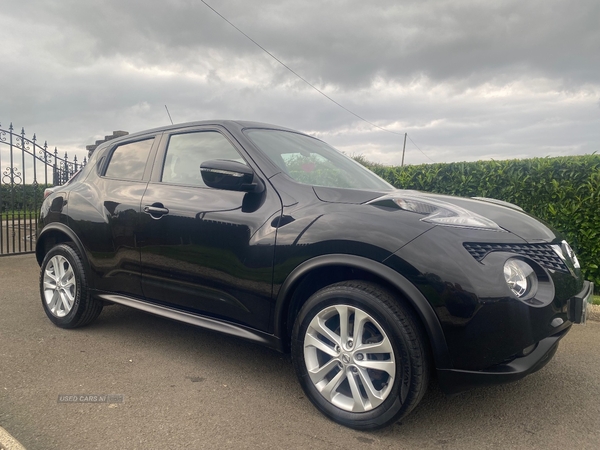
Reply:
x=26, y=170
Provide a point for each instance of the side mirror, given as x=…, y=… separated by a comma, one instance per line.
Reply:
x=230, y=176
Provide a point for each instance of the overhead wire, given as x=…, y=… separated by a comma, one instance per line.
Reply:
x=419, y=148
x=307, y=82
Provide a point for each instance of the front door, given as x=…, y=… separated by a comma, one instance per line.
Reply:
x=206, y=250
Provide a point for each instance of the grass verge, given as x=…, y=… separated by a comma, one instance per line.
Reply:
x=16, y=215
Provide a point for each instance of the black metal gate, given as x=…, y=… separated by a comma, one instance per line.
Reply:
x=26, y=170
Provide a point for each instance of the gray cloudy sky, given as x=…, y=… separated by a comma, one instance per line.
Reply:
x=466, y=79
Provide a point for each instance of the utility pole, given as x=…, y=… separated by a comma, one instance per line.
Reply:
x=403, y=150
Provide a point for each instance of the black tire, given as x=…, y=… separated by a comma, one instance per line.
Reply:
x=396, y=379
x=64, y=289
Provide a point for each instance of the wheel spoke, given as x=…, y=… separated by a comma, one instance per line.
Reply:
x=379, y=347
x=58, y=267
x=69, y=296
x=320, y=327
x=53, y=301
x=51, y=273
x=68, y=278
x=385, y=366
x=373, y=394
x=360, y=318
x=344, y=313
x=67, y=301
x=62, y=303
x=49, y=285
x=319, y=374
x=359, y=402
x=312, y=341
x=330, y=389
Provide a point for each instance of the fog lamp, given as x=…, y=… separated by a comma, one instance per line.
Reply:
x=521, y=278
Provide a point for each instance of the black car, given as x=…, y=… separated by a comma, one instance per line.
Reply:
x=274, y=236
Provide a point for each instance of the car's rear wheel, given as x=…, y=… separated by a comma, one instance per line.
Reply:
x=64, y=290
x=360, y=355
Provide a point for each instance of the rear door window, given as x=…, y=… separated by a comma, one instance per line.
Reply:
x=128, y=161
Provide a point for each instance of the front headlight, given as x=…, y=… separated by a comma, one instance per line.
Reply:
x=520, y=278
x=438, y=212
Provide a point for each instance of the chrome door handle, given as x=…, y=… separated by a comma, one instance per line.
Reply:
x=156, y=212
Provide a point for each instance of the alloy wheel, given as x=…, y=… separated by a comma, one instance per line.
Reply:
x=60, y=286
x=349, y=358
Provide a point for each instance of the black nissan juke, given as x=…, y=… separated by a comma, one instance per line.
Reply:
x=272, y=235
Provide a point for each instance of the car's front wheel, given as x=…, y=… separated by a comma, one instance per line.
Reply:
x=360, y=355
x=64, y=290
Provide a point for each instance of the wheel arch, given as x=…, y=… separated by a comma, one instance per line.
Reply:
x=318, y=272
x=56, y=233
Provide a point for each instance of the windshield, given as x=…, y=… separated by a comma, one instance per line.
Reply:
x=311, y=161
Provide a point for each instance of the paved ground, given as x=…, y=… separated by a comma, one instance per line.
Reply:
x=185, y=387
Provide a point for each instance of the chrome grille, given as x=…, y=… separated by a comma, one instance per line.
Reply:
x=543, y=254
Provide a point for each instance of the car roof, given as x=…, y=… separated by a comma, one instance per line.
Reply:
x=228, y=124
x=235, y=126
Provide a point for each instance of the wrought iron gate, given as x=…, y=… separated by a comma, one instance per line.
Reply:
x=26, y=170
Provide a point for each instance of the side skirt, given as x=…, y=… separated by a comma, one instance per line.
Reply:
x=198, y=320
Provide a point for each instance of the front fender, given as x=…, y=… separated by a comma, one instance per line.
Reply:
x=378, y=270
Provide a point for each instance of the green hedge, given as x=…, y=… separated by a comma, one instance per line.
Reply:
x=26, y=198
x=564, y=192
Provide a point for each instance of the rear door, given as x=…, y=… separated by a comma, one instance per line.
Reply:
x=105, y=213
x=206, y=250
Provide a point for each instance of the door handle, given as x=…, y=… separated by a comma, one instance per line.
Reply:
x=156, y=210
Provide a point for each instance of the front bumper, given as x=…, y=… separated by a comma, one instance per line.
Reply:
x=578, y=306
x=453, y=381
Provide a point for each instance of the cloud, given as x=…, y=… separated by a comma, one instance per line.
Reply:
x=465, y=79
